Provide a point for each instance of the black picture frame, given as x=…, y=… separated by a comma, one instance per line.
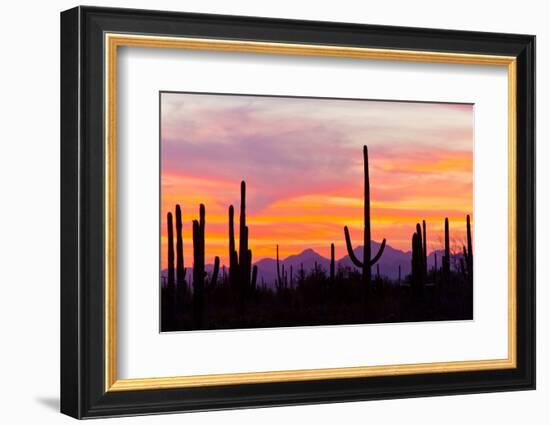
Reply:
x=83, y=392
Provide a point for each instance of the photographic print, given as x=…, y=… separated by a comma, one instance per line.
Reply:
x=300, y=211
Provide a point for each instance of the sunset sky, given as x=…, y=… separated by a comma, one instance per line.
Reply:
x=302, y=162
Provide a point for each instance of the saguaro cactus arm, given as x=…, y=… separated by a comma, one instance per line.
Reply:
x=379, y=254
x=352, y=255
x=349, y=247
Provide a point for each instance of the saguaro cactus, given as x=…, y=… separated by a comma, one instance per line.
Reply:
x=422, y=259
x=199, y=273
x=417, y=268
x=367, y=262
x=233, y=257
x=215, y=272
x=171, y=280
x=254, y=278
x=424, y=249
x=180, y=267
x=244, y=265
x=469, y=256
x=198, y=268
x=446, y=262
x=241, y=272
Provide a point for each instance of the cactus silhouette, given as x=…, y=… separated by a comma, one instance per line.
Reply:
x=446, y=262
x=199, y=272
x=422, y=259
x=468, y=254
x=417, y=267
x=424, y=250
x=254, y=278
x=419, y=262
x=244, y=265
x=180, y=267
x=367, y=262
x=241, y=272
x=215, y=271
x=198, y=268
x=171, y=280
x=233, y=257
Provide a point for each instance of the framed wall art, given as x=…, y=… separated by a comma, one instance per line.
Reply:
x=261, y=212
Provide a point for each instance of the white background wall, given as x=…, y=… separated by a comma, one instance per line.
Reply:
x=29, y=223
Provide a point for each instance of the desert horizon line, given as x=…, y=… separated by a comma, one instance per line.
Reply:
x=429, y=253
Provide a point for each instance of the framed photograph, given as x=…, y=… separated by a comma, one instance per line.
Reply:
x=261, y=212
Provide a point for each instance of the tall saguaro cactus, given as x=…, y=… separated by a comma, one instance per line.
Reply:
x=446, y=262
x=367, y=262
x=241, y=272
x=171, y=280
x=198, y=267
x=422, y=259
x=180, y=267
x=417, y=268
x=233, y=256
x=419, y=259
x=199, y=272
x=244, y=264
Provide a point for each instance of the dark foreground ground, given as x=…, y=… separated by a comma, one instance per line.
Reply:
x=315, y=300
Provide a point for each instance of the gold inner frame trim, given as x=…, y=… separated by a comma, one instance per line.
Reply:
x=113, y=41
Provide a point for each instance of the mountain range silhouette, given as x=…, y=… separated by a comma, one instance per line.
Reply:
x=389, y=263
